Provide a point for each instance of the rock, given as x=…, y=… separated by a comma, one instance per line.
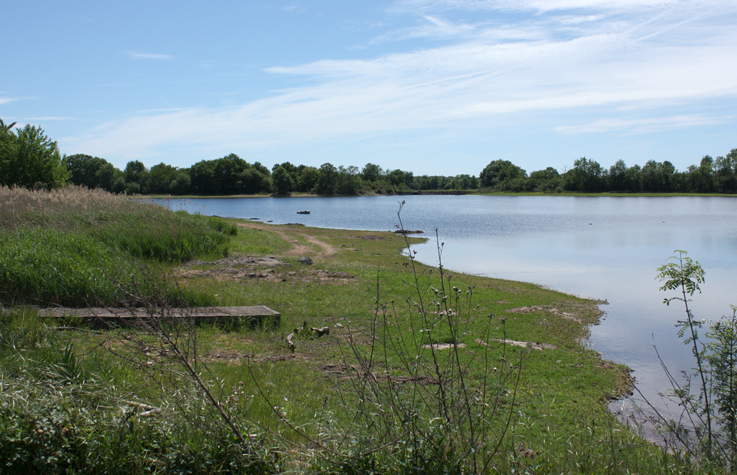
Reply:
x=306, y=260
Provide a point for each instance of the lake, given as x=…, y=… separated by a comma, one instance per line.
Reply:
x=597, y=247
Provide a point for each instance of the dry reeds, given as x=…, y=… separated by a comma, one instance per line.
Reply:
x=21, y=206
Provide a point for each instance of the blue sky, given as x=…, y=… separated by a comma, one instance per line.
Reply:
x=431, y=86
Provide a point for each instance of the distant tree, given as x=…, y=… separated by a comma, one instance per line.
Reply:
x=252, y=181
x=293, y=171
x=181, y=184
x=106, y=176
x=348, y=181
x=633, y=179
x=308, y=179
x=229, y=175
x=462, y=182
x=30, y=159
x=136, y=172
x=202, y=177
x=327, y=180
x=84, y=168
x=371, y=173
x=499, y=171
x=545, y=180
x=119, y=185
x=132, y=188
x=400, y=179
x=586, y=175
x=726, y=172
x=283, y=181
x=701, y=179
x=161, y=177
x=617, y=176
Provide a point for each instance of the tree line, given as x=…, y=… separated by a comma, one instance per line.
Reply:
x=232, y=175
x=712, y=175
x=29, y=158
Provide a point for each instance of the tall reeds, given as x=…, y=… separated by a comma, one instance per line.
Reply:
x=75, y=246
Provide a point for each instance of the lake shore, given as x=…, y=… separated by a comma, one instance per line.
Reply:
x=447, y=193
x=343, y=295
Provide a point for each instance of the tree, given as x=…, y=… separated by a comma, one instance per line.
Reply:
x=726, y=172
x=84, y=168
x=633, y=179
x=684, y=275
x=181, y=183
x=106, y=176
x=30, y=159
x=545, y=180
x=400, y=179
x=308, y=178
x=618, y=176
x=283, y=182
x=228, y=176
x=702, y=178
x=293, y=171
x=371, y=173
x=6, y=127
x=327, y=180
x=498, y=172
x=586, y=175
x=348, y=181
x=136, y=172
x=161, y=177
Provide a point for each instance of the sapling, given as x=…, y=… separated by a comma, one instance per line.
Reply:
x=684, y=274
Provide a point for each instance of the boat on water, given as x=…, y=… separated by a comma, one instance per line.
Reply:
x=303, y=212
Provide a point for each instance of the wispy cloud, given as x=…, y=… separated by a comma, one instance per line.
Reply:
x=291, y=8
x=7, y=100
x=44, y=119
x=547, y=5
x=429, y=27
x=480, y=79
x=154, y=56
x=642, y=125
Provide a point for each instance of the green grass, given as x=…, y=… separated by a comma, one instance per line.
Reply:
x=88, y=392
x=77, y=247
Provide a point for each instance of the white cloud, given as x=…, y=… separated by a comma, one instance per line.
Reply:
x=642, y=125
x=648, y=61
x=291, y=8
x=155, y=56
x=7, y=100
x=575, y=20
x=44, y=119
x=548, y=5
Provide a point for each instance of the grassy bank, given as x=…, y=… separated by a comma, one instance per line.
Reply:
x=78, y=247
x=422, y=371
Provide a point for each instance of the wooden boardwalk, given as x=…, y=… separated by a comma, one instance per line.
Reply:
x=100, y=316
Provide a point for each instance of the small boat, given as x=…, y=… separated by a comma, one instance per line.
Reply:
x=303, y=212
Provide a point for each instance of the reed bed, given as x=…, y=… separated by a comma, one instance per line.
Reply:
x=78, y=247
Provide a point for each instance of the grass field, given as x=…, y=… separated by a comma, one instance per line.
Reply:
x=422, y=371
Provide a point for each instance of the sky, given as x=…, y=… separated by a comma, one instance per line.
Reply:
x=437, y=87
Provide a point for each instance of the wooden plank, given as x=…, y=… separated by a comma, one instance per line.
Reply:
x=256, y=315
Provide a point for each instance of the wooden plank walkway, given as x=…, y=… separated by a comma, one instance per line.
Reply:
x=99, y=316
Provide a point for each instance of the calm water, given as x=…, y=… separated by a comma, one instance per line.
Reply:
x=598, y=247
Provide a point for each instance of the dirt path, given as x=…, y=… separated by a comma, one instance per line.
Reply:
x=289, y=236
